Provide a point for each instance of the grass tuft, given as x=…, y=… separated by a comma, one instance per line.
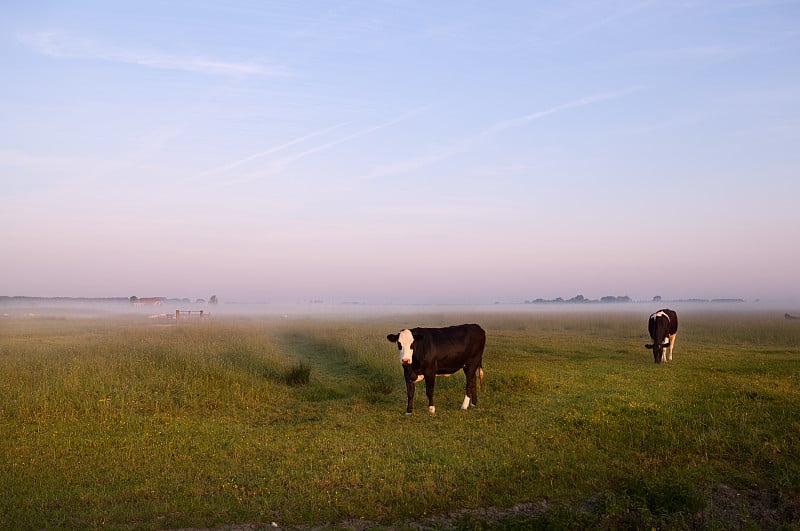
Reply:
x=298, y=374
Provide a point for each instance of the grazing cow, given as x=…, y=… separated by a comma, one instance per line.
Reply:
x=663, y=327
x=426, y=352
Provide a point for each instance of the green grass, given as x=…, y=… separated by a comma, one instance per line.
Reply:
x=128, y=424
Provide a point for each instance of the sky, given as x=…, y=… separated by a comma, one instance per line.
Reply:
x=392, y=151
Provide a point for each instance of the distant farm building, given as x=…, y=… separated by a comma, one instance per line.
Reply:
x=147, y=301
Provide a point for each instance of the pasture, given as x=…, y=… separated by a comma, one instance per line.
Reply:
x=122, y=423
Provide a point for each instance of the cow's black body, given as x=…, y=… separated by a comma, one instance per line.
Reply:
x=663, y=328
x=443, y=351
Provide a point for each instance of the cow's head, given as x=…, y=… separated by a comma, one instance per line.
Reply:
x=659, y=349
x=405, y=343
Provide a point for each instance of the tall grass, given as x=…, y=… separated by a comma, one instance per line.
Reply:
x=133, y=425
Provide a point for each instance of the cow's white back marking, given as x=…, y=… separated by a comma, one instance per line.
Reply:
x=659, y=314
x=405, y=340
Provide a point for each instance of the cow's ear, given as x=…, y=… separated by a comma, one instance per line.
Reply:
x=393, y=337
x=648, y=346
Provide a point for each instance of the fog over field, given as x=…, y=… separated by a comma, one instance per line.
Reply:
x=87, y=308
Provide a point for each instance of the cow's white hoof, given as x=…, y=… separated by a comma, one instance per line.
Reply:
x=432, y=410
x=465, y=404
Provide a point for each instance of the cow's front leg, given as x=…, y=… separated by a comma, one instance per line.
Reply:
x=410, y=389
x=471, y=391
x=468, y=390
x=430, y=381
x=411, y=379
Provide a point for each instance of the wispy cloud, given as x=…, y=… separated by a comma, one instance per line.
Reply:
x=64, y=46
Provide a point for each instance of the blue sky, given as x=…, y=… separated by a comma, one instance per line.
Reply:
x=393, y=151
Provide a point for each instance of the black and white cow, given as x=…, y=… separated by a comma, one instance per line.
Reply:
x=427, y=352
x=663, y=327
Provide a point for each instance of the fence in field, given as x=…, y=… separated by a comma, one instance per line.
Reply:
x=187, y=314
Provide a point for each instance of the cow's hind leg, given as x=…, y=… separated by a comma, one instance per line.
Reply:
x=671, y=344
x=478, y=379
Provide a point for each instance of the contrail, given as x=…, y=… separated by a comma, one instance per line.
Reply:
x=344, y=139
x=600, y=22
x=588, y=100
x=278, y=165
x=466, y=143
x=270, y=151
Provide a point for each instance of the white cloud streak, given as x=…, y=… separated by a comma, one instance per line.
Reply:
x=62, y=46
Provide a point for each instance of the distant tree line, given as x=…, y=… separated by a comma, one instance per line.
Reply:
x=23, y=298
x=149, y=300
x=580, y=299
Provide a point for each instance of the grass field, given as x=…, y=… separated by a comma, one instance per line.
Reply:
x=122, y=423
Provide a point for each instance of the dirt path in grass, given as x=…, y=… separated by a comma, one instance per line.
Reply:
x=727, y=508
x=331, y=366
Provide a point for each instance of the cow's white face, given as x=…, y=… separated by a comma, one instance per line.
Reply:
x=404, y=342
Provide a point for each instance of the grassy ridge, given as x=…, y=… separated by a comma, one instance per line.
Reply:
x=133, y=425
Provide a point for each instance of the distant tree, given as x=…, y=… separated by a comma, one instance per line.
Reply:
x=200, y=301
x=612, y=298
x=133, y=299
x=213, y=300
x=657, y=298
